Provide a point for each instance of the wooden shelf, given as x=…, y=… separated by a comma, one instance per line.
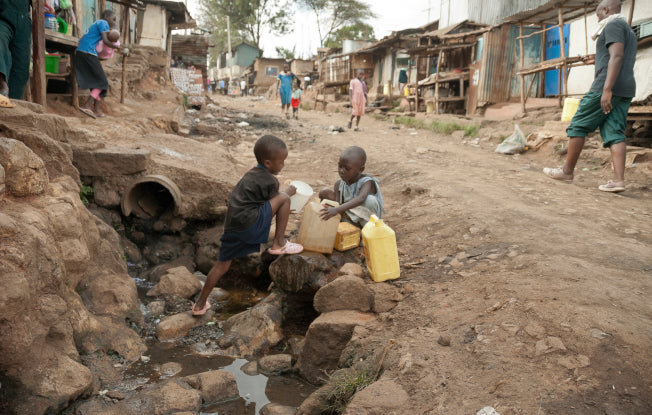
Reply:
x=65, y=42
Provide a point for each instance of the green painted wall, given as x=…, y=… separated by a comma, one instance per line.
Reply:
x=245, y=55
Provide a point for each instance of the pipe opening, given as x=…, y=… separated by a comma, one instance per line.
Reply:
x=150, y=197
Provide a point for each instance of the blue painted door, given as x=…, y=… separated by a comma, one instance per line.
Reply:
x=89, y=14
x=553, y=50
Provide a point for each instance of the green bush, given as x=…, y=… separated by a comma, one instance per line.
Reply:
x=86, y=193
x=345, y=385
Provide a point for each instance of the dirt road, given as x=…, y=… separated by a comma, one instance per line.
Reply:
x=542, y=287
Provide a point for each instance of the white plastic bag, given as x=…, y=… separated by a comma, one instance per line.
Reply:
x=513, y=144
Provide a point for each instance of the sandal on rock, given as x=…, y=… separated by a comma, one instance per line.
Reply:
x=201, y=312
x=289, y=248
x=557, y=174
x=88, y=112
x=5, y=103
x=612, y=187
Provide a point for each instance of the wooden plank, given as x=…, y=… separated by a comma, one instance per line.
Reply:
x=73, y=82
x=69, y=42
x=520, y=42
x=38, y=53
x=125, y=39
x=101, y=6
x=631, y=13
x=563, y=76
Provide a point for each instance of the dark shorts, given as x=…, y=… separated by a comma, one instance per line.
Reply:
x=237, y=244
x=590, y=116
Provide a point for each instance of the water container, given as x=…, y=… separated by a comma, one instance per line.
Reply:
x=570, y=108
x=51, y=22
x=348, y=237
x=380, y=251
x=430, y=107
x=301, y=197
x=315, y=234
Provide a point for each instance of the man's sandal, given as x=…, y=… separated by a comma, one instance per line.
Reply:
x=5, y=103
x=289, y=248
x=557, y=174
x=612, y=187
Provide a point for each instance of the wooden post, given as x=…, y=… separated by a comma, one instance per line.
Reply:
x=38, y=53
x=542, y=83
x=520, y=43
x=73, y=82
x=78, y=29
x=125, y=39
x=439, y=59
x=586, y=33
x=563, y=76
x=101, y=6
x=631, y=13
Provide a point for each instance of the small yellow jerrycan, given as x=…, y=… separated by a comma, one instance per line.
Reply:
x=380, y=250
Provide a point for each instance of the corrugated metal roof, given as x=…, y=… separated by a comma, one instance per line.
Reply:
x=461, y=27
x=548, y=12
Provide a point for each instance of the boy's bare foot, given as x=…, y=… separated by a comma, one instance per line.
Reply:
x=200, y=311
x=612, y=187
x=558, y=174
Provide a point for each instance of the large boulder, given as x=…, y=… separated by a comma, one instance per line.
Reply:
x=24, y=170
x=276, y=409
x=177, y=325
x=275, y=364
x=344, y=293
x=256, y=330
x=326, y=338
x=110, y=161
x=176, y=282
x=382, y=397
x=385, y=296
x=215, y=385
x=303, y=273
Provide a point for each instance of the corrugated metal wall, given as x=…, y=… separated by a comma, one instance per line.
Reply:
x=493, y=12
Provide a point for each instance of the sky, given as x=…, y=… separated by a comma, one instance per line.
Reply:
x=392, y=15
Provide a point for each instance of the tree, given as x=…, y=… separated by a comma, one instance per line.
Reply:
x=333, y=15
x=285, y=53
x=250, y=19
x=357, y=31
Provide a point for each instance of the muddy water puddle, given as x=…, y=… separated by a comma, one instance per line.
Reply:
x=165, y=360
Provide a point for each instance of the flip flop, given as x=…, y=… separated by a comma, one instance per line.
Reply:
x=557, y=174
x=289, y=248
x=5, y=103
x=88, y=112
x=100, y=115
x=611, y=187
x=201, y=312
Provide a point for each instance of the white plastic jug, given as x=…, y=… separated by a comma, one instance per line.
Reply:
x=301, y=197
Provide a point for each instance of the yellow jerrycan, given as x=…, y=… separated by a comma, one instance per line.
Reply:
x=380, y=250
x=315, y=234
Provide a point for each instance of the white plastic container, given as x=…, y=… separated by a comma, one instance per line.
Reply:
x=301, y=197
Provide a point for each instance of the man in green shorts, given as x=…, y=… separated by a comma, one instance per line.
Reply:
x=606, y=104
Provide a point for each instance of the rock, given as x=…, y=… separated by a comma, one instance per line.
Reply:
x=549, y=345
x=295, y=343
x=344, y=293
x=535, y=330
x=154, y=274
x=110, y=161
x=177, y=325
x=306, y=272
x=173, y=396
x=2, y=182
x=215, y=385
x=326, y=338
x=176, y=282
x=385, y=296
x=276, y=409
x=115, y=395
x=351, y=268
x=168, y=248
x=131, y=250
x=444, y=340
x=598, y=334
x=170, y=369
x=208, y=248
x=573, y=362
x=250, y=368
x=382, y=397
x=255, y=330
x=275, y=364
x=316, y=403
x=25, y=173
x=157, y=307
x=217, y=295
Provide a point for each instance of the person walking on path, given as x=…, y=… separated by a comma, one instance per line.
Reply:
x=15, y=48
x=243, y=88
x=88, y=69
x=606, y=104
x=284, y=89
x=358, y=96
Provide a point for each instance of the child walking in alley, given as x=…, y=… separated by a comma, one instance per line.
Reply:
x=284, y=89
x=88, y=69
x=358, y=194
x=255, y=200
x=296, y=99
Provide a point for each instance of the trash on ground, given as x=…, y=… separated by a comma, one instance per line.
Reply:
x=515, y=143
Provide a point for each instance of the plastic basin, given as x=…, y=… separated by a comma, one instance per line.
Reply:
x=301, y=197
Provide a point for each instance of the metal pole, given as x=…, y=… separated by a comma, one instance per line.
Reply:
x=228, y=36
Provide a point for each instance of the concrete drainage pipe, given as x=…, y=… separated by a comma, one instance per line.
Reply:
x=150, y=196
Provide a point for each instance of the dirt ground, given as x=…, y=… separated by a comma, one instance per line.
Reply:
x=543, y=287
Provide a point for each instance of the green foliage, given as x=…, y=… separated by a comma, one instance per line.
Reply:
x=86, y=193
x=286, y=53
x=356, y=31
x=437, y=126
x=344, y=385
x=249, y=20
x=333, y=15
x=471, y=130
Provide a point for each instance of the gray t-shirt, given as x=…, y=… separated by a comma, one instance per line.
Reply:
x=616, y=31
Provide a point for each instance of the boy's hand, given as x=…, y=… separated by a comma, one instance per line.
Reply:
x=328, y=212
x=290, y=190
